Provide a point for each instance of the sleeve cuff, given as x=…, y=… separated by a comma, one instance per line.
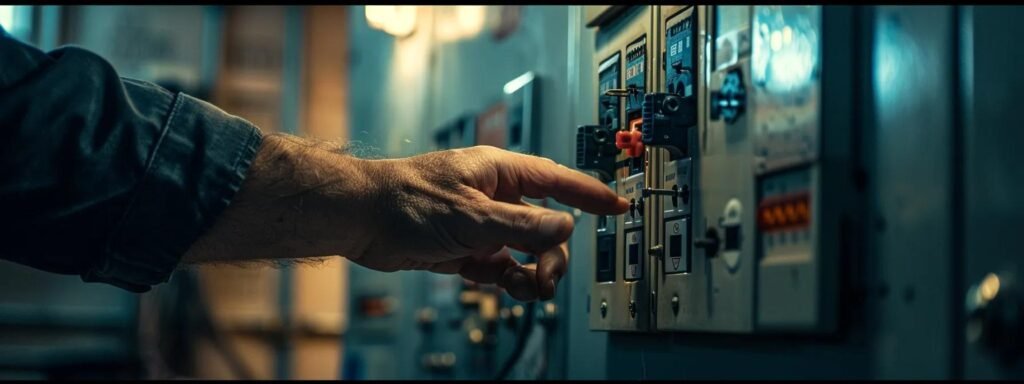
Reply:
x=195, y=169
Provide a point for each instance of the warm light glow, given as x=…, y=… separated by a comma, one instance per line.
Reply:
x=403, y=22
x=787, y=35
x=790, y=213
x=989, y=287
x=550, y=308
x=783, y=213
x=476, y=336
x=767, y=217
x=377, y=15
x=470, y=19
x=399, y=21
x=459, y=22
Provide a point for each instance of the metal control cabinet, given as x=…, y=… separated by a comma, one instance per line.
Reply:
x=744, y=197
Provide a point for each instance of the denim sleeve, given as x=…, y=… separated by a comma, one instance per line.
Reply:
x=108, y=178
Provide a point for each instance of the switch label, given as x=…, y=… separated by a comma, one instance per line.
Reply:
x=633, y=254
x=678, y=248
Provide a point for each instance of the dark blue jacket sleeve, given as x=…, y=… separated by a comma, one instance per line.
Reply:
x=108, y=178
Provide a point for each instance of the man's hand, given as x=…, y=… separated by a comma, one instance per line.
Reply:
x=449, y=212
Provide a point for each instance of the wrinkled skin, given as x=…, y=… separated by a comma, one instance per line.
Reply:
x=449, y=212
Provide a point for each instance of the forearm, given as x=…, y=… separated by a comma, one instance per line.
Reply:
x=447, y=211
x=296, y=195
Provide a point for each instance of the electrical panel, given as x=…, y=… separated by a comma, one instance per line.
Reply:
x=711, y=123
x=620, y=295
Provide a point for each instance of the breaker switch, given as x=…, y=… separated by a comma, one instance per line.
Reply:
x=667, y=119
x=630, y=141
x=596, y=150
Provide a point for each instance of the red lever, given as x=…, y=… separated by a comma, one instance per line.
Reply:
x=630, y=141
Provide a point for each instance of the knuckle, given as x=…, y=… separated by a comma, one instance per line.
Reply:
x=524, y=221
x=463, y=164
x=487, y=149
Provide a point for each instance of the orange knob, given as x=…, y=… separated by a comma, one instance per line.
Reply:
x=630, y=141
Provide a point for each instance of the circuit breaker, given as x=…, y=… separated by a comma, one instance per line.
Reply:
x=720, y=146
x=620, y=297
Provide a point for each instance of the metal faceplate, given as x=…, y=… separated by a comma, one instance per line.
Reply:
x=623, y=304
x=705, y=260
x=718, y=294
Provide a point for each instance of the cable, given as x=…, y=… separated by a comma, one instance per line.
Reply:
x=523, y=335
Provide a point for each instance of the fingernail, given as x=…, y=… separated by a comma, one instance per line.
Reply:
x=551, y=225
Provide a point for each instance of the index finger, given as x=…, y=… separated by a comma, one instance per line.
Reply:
x=538, y=178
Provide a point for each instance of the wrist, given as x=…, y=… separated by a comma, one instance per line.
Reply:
x=298, y=200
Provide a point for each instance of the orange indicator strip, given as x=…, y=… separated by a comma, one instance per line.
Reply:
x=785, y=212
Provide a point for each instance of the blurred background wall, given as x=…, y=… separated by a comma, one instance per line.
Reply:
x=283, y=68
